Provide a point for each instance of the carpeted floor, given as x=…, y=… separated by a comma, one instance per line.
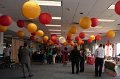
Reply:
x=57, y=71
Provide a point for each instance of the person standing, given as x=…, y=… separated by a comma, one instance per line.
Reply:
x=65, y=56
x=99, y=59
x=82, y=59
x=74, y=55
x=25, y=60
x=7, y=54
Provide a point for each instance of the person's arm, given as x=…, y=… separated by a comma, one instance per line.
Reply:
x=96, y=52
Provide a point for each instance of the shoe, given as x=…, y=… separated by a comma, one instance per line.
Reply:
x=31, y=75
x=72, y=72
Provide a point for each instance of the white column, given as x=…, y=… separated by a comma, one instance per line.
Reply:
x=1, y=43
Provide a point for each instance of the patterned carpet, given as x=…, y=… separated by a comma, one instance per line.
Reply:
x=57, y=71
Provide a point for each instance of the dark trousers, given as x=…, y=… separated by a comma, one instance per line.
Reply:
x=98, y=66
x=82, y=65
x=77, y=66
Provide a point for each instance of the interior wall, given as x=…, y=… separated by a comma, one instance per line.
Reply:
x=16, y=43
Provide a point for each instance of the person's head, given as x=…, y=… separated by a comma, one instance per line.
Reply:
x=103, y=46
x=75, y=47
x=100, y=45
x=7, y=45
x=25, y=45
x=21, y=47
x=65, y=48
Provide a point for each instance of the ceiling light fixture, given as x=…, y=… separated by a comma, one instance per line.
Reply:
x=49, y=3
x=105, y=20
x=53, y=30
x=55, y=33
x=57, y=18
x=88, y=31
x=112, y=7
x=53, y=25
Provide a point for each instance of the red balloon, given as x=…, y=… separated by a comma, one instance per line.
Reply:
x=77, y=38
x=5, y=20
x=68, y=41
x=32, y=37
x=89, y=41
x=68, y=38
x=94, y=22
x=82, y=35
x=33, y=34
x=45, y=18
x=54, y=38
x=117, y=7
x=98, y=37
x=21, y=23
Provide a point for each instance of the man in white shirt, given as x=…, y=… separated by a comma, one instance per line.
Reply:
x=99, y=59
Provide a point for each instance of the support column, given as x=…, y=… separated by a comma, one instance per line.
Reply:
x=1, y=43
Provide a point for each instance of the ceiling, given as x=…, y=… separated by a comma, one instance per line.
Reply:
x=69, y=12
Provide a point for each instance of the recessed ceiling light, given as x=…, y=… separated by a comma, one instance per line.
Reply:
x=49, y=3
x=112, y=7
x=57, y=18
x=53, y=25
x=55, y=33
x=53, y=30
x=105, y=20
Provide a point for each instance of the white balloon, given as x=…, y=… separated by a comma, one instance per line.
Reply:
x=62, y=39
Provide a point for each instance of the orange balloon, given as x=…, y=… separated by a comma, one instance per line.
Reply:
x=73, y=29
x=65, y=43
x=110, y=34
x=79, y=42
x=85, y=22
x=72, y=43
x=3, y=28
x=40, y=33
x=45, y=38
x=32, y=27
x=31, y=9
x=20, y=33
x=69, y=34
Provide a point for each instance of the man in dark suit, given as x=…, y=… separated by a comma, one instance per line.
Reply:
x=25, y=60
x=74, y=55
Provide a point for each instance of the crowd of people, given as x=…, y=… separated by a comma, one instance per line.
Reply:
x=52, y=55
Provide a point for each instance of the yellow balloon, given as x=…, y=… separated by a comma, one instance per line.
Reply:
x=40, y=33
x=85, y=22
x=92, y=37
x=32, y=27
x=3, y=28
x=31, y=9
x=45, y=38
x=73, y=29
x=20, y=33
x=110, y=34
